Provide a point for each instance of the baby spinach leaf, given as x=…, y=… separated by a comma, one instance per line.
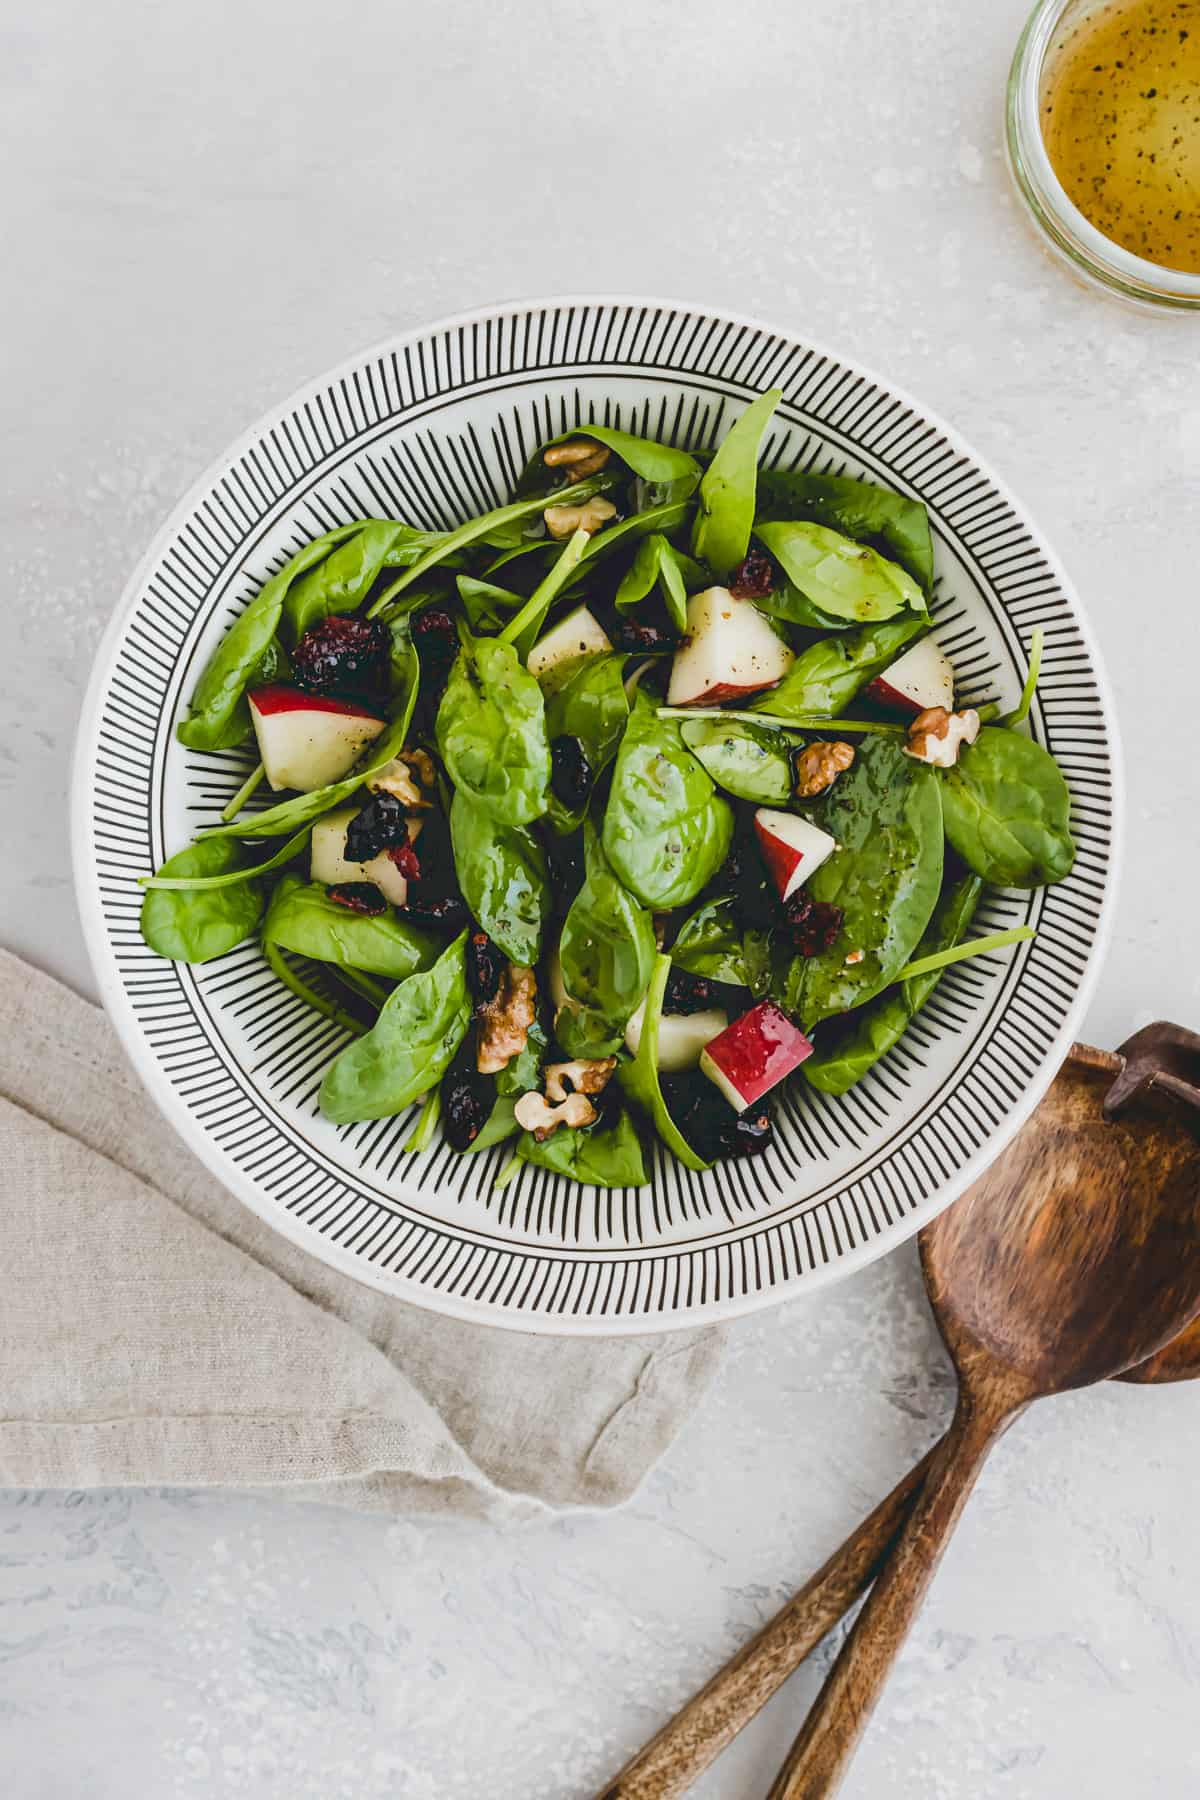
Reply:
x=524, y=629
x=892, y=523
x=659, y=564
x=721, y=530
x=524, y=1070
x=296, y=984
x=833, y=580
x=484, y=527
x=1008, y=810
x=194, y=926
x=218, y=717
x=1020, y=712
x=606, y=952
x=666, y=829
x=752, y=761
x=711, y=943
x=835, y=1066
x=500, y=1125
x=343, y=580
x=487, y=606
x=589, y=703
x=669, y=474
x=602, y=544
x=491, y=732
x=409, y=1047
x=828, y=675
x=606, y=1158
x=886, y=815
x=639, y=1078
x=302, y=918
x=503, y=876
x=302, y=809
x=231, y=877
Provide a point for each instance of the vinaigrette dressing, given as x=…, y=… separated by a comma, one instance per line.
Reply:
x=1120, y=111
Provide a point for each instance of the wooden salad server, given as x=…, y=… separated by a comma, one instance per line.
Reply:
x=687, y=1745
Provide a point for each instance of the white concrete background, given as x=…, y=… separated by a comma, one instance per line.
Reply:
x=204, y=204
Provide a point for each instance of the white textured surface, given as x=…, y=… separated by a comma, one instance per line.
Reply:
x=214, y=202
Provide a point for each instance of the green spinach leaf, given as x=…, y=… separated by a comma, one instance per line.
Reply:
x=231, y=877
x=1008, y=811
x=892, y=523
x=666, y=829
x=752, y=761
x=659, y=564
x=721, y=531
x=503, y=876
x=588, y=703
x=833, y=580
x=711, y=943
x=606, y=952
x=196, y=925
x=606, y=1158
x=491, y=732
x=835, y=1066
x=886, y=815
x=409, y=1047
x=303, y=919
x=487, y=606
x=639, y=1078
x=343, y=580
x=827, y=676
x=218, y=717
x=669, y=474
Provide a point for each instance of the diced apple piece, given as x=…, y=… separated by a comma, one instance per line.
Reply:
x=681, y=1036
x=308, y=740
x=792, y=848
x=754, y=1054
x=579, y=634
x=330, y=864
x=730, y=650
x=921, y=678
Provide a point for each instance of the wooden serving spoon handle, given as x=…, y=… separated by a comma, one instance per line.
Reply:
x=669, y=1764
x=823, y=1751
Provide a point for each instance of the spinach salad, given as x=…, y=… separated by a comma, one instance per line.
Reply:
x=606, y=812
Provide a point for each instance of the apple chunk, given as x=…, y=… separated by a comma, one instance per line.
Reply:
x=681, y=1036
x=308, y=740
x=330, y=864
x=754, y=1054
x=578, y=634
x=730, y=650
x=921, y=678
x=792, y=848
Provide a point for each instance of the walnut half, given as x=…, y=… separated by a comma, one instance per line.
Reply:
x=578, y=457
x=533, y=1112
x=818, y=766
x=936, y=736
x=586, y=1075
x=504, y=1020
x=589, y=516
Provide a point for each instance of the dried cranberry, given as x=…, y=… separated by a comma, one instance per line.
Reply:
x=565, y=857
x=687, y=993
x=644, y=638
x=710, y=1126
x=377, y=826
x=467, y=1097
x=571, y=774
x=343, y=656
x=436, y=641
x=754, y=577
x=359, y=897
x=485, y=968
x=814, y=924
x=406, y=860
x=440, y=911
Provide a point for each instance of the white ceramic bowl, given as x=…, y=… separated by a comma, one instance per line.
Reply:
x=436, y=425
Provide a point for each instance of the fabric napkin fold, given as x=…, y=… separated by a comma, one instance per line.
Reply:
x=154, y=1331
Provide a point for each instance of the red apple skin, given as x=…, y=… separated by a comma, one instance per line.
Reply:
x=781, y=860
x=754, y=1054
x=882, y=694
x=725, y=690
x=278, y=698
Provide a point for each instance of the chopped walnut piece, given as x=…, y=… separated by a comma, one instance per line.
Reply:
x=586, y=1075
x=534, y=1113
x=406, y=776
x=504, y=1020
x=818, y=766
x=579, y=457
x=589, y=516
x=936, y=736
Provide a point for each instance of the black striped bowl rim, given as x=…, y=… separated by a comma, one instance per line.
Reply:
x=436, y=424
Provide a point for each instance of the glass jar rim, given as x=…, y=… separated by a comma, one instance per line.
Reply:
x=1073, y=235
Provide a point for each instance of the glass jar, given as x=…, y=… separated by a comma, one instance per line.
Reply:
x=1092, y=256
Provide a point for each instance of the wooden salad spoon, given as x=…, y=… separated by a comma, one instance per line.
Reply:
x=687, y=1745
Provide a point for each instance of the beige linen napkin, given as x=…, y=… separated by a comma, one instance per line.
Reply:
x=154, y=1331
